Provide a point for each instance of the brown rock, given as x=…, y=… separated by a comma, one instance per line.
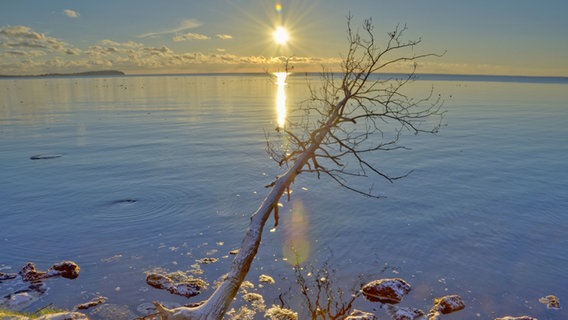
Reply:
x=448, y=304
x=30, y=273
x=189, y=287
x=159, y=281
x=386, y=290
x=66, y=269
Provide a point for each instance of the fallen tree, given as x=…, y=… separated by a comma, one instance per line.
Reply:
x=351, y=115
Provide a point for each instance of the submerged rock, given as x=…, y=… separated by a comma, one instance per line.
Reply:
x=207, y=260
x=386, y=290
x=95, y=302
x=516, y=318
x=19, y=300
x=398, y=313
x=187, y=287
x=113, y=311
x=64, y=316
x=550, y=301
x=361, y=315
x=7, y=276
x=45, y=156
x=65, y=269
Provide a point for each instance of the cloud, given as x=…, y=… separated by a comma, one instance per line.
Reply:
x=224, y=36
x=182, y=26
x=71, y=13
x=22, y=37
x=23, y=50
x=190, y=36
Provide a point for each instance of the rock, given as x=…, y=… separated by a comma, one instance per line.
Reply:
x=158, y=281
x=278, y=313
x=19, y=300
x=92, y=303
x=7, y=276
x=266, y=279
x=113, y=311
x=64, y=316
x=516, y=318
x=386, y=290
x=188, y=287
x=550, y=301
x=361, y=315
x=66, y=269
x=207, y=260
x=30, y=273
x=448, y=304
x=45, y=156
x=398, y=313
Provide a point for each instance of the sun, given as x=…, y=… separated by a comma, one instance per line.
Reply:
x=281, y=36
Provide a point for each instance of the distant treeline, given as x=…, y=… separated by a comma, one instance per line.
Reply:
x=77, y=74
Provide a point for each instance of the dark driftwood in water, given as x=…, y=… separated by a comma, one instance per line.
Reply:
x=355, y=98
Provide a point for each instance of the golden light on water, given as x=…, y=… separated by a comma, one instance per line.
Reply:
x=296, y=246
x=281, y=98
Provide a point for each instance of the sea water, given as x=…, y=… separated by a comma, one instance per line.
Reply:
x=127, y=175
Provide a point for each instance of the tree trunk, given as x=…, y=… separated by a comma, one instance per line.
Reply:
x=218, y=304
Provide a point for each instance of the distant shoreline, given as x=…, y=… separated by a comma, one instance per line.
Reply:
x=417, y=76
x=75, y=74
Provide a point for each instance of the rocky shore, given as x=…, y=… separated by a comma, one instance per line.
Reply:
x=389, y=292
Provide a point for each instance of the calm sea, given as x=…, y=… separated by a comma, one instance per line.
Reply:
x=144, y=173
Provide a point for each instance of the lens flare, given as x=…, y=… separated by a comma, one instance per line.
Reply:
x=278, y=7
x=296, y=248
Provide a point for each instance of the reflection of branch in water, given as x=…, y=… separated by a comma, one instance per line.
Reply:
x=321, y=297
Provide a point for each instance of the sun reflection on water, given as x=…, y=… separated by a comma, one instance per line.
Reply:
x=281, y=98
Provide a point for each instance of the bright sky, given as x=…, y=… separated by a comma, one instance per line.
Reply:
x=518, y=37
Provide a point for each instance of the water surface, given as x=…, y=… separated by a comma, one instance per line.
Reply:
x=156, y=172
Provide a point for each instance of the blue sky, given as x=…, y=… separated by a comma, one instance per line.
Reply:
x=184, y=36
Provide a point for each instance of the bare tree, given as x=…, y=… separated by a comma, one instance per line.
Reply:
x=351, y=115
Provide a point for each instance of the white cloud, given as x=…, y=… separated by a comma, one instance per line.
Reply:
x=22, y=37
x=224, y=36
x=190, y=36
x=182, y=26
x=71, y=13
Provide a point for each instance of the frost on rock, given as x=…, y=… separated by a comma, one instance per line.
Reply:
x=256, y=300
x=176, y=283
x=361, y=315
x=446, y=304
x=266, y=279
x=386, y=290
x=278, y=313
x=550, y=301
x=398, y=313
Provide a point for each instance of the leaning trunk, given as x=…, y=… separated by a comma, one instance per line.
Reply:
x=218, y=304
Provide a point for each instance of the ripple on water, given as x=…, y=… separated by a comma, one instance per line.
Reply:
x=141, y=207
